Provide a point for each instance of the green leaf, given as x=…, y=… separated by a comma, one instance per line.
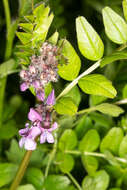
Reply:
x=35, y=177
x=89, y=42
x=65, y=106
x=109, y=109
x=27, y=27
x=124, y=92
x=97, y=84
x=112, y=140
x=115, y=26
x=90, y=141
x=70, y=70
x=26, y=187
x=24, y=7
x=48, y=89
x=115, y=188
x=56, y=182
x=124, y=3
x=8, y=67
x=113, y=57
x=123, y=147
x=7, y=173
x=65, y=162
x=25, y=38
x=69, y=144
x=99, y=181
x=54, y=38
x=8, y=130
x=74, y=93
x=90, y=164
x=94, y=100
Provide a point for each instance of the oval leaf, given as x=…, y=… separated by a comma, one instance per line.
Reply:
x=123, y=147
x=97, y=84
x=115, y=26
x=125, y=8
x=89, y=42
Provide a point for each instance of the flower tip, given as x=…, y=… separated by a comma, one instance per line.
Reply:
x=40, y=95
x=23, y=87
x=51, y=98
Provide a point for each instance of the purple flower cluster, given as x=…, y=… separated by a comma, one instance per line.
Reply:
x=41, y=125
x=41, y=71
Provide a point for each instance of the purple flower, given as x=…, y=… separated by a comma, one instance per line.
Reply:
x=34, y=115
x=46, y=134
x=24, y=86
x=51, y=98
x=40, y=95
x=28, y=137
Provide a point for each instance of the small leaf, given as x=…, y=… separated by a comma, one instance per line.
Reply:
x=54, y=38
x=69, y=144
x=89, y=42
x=124, y=92
x=95, y=100
x=65, y=106
x=71, y=70
x=124, y=3
x=90, y=164
x=25, y=38
x=8, y=67
x=7, y=173
x=112, y=140
x=99, y=181
x=97, y=84
x=115, y=26
x=35, y=177
x=113, y=57
x=65, y=162
x=26, y=187
x=123, y=147
x=27, y=27
x=90, y=141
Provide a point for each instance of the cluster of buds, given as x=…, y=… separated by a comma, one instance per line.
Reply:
x=41, y=125
x=41, y=71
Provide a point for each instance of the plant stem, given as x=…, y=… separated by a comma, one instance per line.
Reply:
x=74, y=181
x=122, y=47
x=21, y=170
x=74, y=82
x=51, y=157
x=124, y=101
x=7, y=14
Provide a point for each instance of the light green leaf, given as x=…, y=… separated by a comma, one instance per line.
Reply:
x=7, y=173
x=65, y=162
x=27, y=27
x=97, y=84
x=74, y=93
x=35, y=177
x=65, y=106
x=124, y=3
x=69, y=144
x=99, y=181
x=56, y=182
x=112, y=140
x=90, y=141
x=26, y=187
x=95, y=100
x=8, y=67
x=89, y=42
x=54, y=38
x=25, y=38
x=124, y=92
x=115, y=26
x=24, y=7
x=123, y=147
x=113, y=57
x=71, y=70
x=90, y=164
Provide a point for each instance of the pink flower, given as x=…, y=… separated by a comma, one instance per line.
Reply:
x=24, y=86
x=51, y=98
x=34, y=115
x=46, y=134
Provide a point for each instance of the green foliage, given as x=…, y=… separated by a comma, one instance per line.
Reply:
x=97, y=84
x=89, y=42
x=26, y=187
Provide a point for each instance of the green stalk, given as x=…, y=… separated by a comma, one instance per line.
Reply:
x=21, y=170
x=74, y=181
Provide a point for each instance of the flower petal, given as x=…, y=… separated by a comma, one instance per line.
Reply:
x=54, y=126
x=43, y=137
x=22, y=141
x=50, y=138
x=34, y=115
x=34, y=132
x=24, y=131
x=24, y=86
x=51, y=98
x=30, y=144
x=40, y=95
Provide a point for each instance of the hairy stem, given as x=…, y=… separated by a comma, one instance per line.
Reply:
x=21, y=170
x=74, y=82
x=51, y=157
x=74, y=181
